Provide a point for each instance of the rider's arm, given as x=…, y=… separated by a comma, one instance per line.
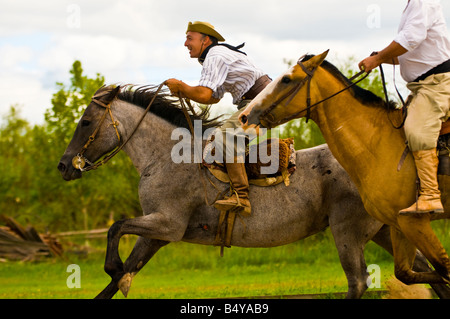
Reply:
x=199, y=94
x=389, y=55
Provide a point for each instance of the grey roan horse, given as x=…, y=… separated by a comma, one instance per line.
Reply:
x=172, y=195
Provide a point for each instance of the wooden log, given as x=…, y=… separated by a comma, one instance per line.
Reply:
x=19, y=243
x=100, y=231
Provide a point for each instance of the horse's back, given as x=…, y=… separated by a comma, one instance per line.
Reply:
x=319, y=190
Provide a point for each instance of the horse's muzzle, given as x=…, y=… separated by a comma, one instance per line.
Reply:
x=68, y=172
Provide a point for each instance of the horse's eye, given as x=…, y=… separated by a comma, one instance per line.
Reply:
x=85, y=123
x=285, y=80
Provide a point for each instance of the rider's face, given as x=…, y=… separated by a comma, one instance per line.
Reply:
x=196, y=43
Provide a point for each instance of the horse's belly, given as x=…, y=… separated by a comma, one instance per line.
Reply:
x=276, y=230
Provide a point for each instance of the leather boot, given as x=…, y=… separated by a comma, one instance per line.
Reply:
x=239, y=181
x=429, y=200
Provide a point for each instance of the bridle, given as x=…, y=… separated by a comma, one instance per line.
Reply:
x=293, y=92
x=79, y=161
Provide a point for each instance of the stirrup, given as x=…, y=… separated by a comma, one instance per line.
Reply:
x=421, y=212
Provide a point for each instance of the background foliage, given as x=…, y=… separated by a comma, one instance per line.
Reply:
x=31, y=188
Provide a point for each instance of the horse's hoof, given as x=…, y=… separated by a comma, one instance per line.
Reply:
x=125, y=283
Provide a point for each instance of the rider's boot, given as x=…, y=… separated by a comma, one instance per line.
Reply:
x=429, y=200
x=239, y=199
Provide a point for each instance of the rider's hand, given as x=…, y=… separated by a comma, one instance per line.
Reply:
x=174, y=86
x=369, y=63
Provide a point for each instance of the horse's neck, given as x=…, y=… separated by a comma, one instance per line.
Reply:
x=151, y=143
x=360, y=137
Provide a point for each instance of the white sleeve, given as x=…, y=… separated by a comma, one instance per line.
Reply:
x=214, y=74
x=414, y=30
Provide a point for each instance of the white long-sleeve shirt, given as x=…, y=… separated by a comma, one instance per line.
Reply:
x=423, y=32
x=225, y=70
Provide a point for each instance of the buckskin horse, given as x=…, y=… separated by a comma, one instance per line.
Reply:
x=359, y=128
x=172, y=195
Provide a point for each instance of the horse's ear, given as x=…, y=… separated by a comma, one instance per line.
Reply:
x=110, y=94
x=114, y=92
x=107, y=93
x=317, y=60
x=323, y=56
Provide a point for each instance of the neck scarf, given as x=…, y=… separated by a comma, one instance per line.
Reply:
x=202, y=58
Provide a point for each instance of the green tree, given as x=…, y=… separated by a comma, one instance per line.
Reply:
x=14, y=168
x=69, y=103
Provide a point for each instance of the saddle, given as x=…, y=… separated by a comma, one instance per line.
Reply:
x=285, y=157
x=443, y=148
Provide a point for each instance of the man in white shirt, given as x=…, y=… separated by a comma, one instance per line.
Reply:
x=224, y=69
x=422, y=49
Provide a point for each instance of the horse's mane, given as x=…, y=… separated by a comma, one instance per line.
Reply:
x=165, y=106
x=364, y=96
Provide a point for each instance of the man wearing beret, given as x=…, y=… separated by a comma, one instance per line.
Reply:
x=224, y=69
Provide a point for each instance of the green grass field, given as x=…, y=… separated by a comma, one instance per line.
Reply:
x=182, y=270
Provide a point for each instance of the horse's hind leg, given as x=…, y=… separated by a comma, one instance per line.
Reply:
x=354, y=265
x=350, y=243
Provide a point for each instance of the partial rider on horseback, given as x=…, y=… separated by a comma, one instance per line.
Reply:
x=422, y=49
x=224, y=69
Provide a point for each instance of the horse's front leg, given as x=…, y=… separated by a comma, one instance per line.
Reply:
x=143, y=251
x=113, y=264
x=157, y=226
x=404, y=254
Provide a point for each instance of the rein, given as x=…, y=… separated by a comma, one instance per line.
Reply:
x=404, y=112
x=79, y=161
x=309, y=74
x=292, y=93
x=404, y=108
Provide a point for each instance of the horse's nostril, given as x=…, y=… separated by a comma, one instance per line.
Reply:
x=61, y=167
x=244, y=119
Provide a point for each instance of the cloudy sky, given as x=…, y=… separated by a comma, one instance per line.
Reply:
x=141, y=42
